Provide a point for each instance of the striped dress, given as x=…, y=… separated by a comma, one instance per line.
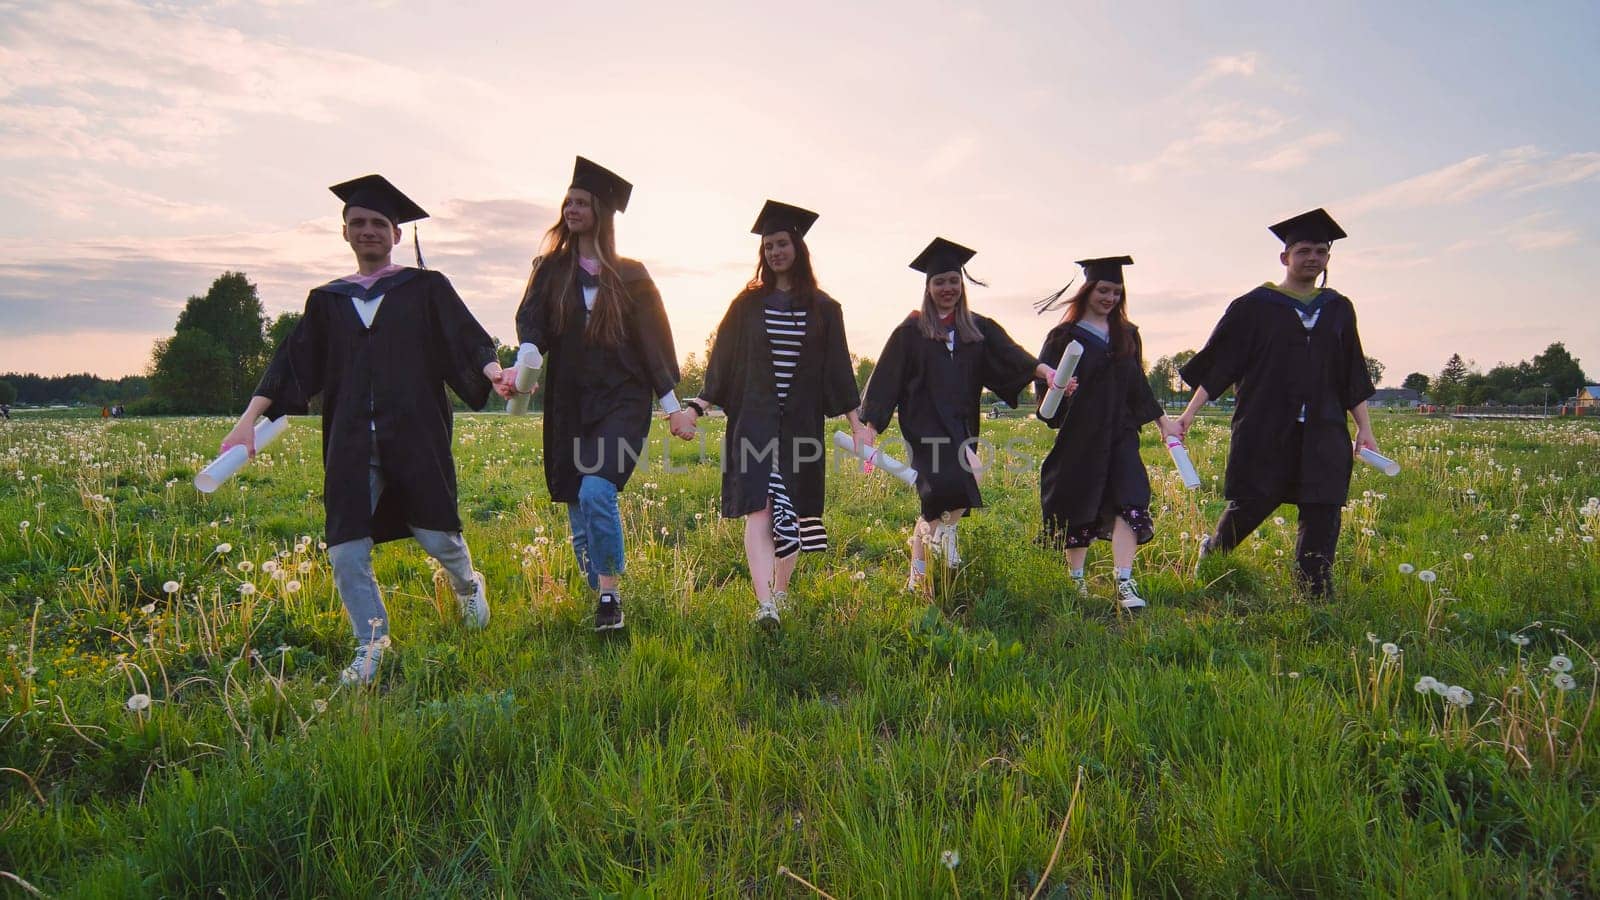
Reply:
x=786, y=327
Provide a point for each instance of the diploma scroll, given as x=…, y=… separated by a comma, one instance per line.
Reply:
x=233, y=459
x=527, y=369
x=1380, y=462
x=1180, y=458
x=874, y=456
x=1068, y=365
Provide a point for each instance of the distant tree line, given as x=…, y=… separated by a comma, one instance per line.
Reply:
x=1552, y=376
x=28, y=389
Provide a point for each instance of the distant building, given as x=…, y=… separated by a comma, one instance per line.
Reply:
x=1588, y=399
x=1395, y=398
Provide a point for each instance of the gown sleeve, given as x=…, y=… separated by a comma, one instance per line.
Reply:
x=462, y=343
x=839, y=391
x=652, y=336
x=532, y=312
x=1006, y=367
x=1050, y=354
x=723, y=382
x=1357, y=381
x=888, y=376
x=1142, y=403
x=295, y=374
x=1222, y=360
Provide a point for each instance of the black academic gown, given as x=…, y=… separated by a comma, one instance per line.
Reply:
x=739, y=378
x=392, y=375
x=597, y=399
x=937, y=392
x=1094, y=470
x=1276, y=366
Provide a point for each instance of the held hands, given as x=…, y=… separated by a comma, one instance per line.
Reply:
x=242, y=435
x=1071, y=387
x=1182, y=425
x=1364, y=441
x=683, y=422
x=865, y=435
x=506, y=384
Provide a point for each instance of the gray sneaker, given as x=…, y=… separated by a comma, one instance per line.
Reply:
x=1205, y=550
x=475, y=606
x=1081, y=585
x=1128, y=591
x=767, y=615
x=364, y=668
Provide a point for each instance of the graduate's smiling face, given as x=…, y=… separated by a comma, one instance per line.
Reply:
x=370, y=234
x=1105, y=297
x=778, y=249
x=945, y=289
x=577, y=211
x=1305, y=261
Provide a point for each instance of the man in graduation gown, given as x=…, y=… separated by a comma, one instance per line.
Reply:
x=380, y=347
x=1293, y=355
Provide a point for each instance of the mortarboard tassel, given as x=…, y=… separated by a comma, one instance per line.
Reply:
x=416, y=246
x=968, y=276
x=1053, y=301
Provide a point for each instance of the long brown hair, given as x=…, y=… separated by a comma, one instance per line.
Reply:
x=1122, y=342
x=802, y=279
x=928, y=322
x=607, y=321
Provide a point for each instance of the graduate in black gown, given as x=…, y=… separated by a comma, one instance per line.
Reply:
x=594, y=320
x=1093, y=484
x=933, y=370
x=1293, y=355
x=380, y=346
x=779, y=367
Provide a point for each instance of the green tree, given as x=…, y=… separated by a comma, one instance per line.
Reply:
x=1162, y=377
x=1559, y=369
x=692, y=377
x=279, y=331
x=8, y=392
x=1447, y=388
x=226, y=323
x=192, y=372
x=1416, y=381
x=1375, y=370
x=864, y=369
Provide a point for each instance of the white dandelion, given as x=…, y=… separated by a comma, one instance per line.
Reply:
x=1559, y=663
x=247, y=589
x=1521, y=640
x=224, y=548
x=1425, y=684
x=1458, y=696
x=246, y=565
x=292, y=586
x=171, y=587
x=1407, y=568
x=950, y=859
x=1565, y=682
x=1426, y=576
x=1391, y=650
x=139, y=702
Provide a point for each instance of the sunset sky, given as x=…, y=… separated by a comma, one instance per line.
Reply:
x=147, y=148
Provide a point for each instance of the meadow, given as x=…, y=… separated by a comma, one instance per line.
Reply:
x=171, y=721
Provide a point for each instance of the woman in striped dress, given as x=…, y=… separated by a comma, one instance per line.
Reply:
x=779, y=366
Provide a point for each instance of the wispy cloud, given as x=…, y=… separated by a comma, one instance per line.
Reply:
x=1518, y=170
x=1295, y=154
x=1220, y=67
x=1219, y=128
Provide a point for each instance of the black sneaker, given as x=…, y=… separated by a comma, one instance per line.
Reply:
x=608, y=612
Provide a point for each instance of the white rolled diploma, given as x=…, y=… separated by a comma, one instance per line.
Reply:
x=874, y=456
x=1380, y=462
x=1180, y=458
x=527, y=369
x=233, y=459
x=1068, y=365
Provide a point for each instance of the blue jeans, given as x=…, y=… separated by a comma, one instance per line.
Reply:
x=596, y=529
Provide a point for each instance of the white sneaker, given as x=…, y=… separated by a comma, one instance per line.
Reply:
x=1205, y=550
x=947, y=546
x=1128, y=590
x=780, y=599
x=767, y=615
x=475, y=606
x=364, y=668
x=1081, y=585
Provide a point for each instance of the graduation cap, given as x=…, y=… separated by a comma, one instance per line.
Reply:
x=612, y=189
x=776, y=217
x=374, y=192
x=1315, y=226
x=1106, y=268
x=943, y=256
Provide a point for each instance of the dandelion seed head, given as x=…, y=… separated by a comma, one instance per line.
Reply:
x=247, y=589
x=291, y=586
x=138, y=702
x=1564, y=681
x=950, y=859
x=1277, y=520
x=1458, y=696
x=1467, y=557
x=171, y=587
x=1426, y=576
x=1559, y=663
x=246, y=565
x=148, y=608
x=1391, y=650
x=1407, y=568
x=320, y=705
x=1521, y=640
x=224, y=548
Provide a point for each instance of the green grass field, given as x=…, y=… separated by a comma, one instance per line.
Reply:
x=171, y=721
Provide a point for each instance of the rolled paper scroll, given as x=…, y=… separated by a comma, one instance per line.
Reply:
x=527, y=369
x=233, y=459
x=1380, y=462
x=1058, y=385
x=873, y=456
x=1180, y=458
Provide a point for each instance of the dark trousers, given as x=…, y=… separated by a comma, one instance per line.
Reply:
x=1314, y=546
